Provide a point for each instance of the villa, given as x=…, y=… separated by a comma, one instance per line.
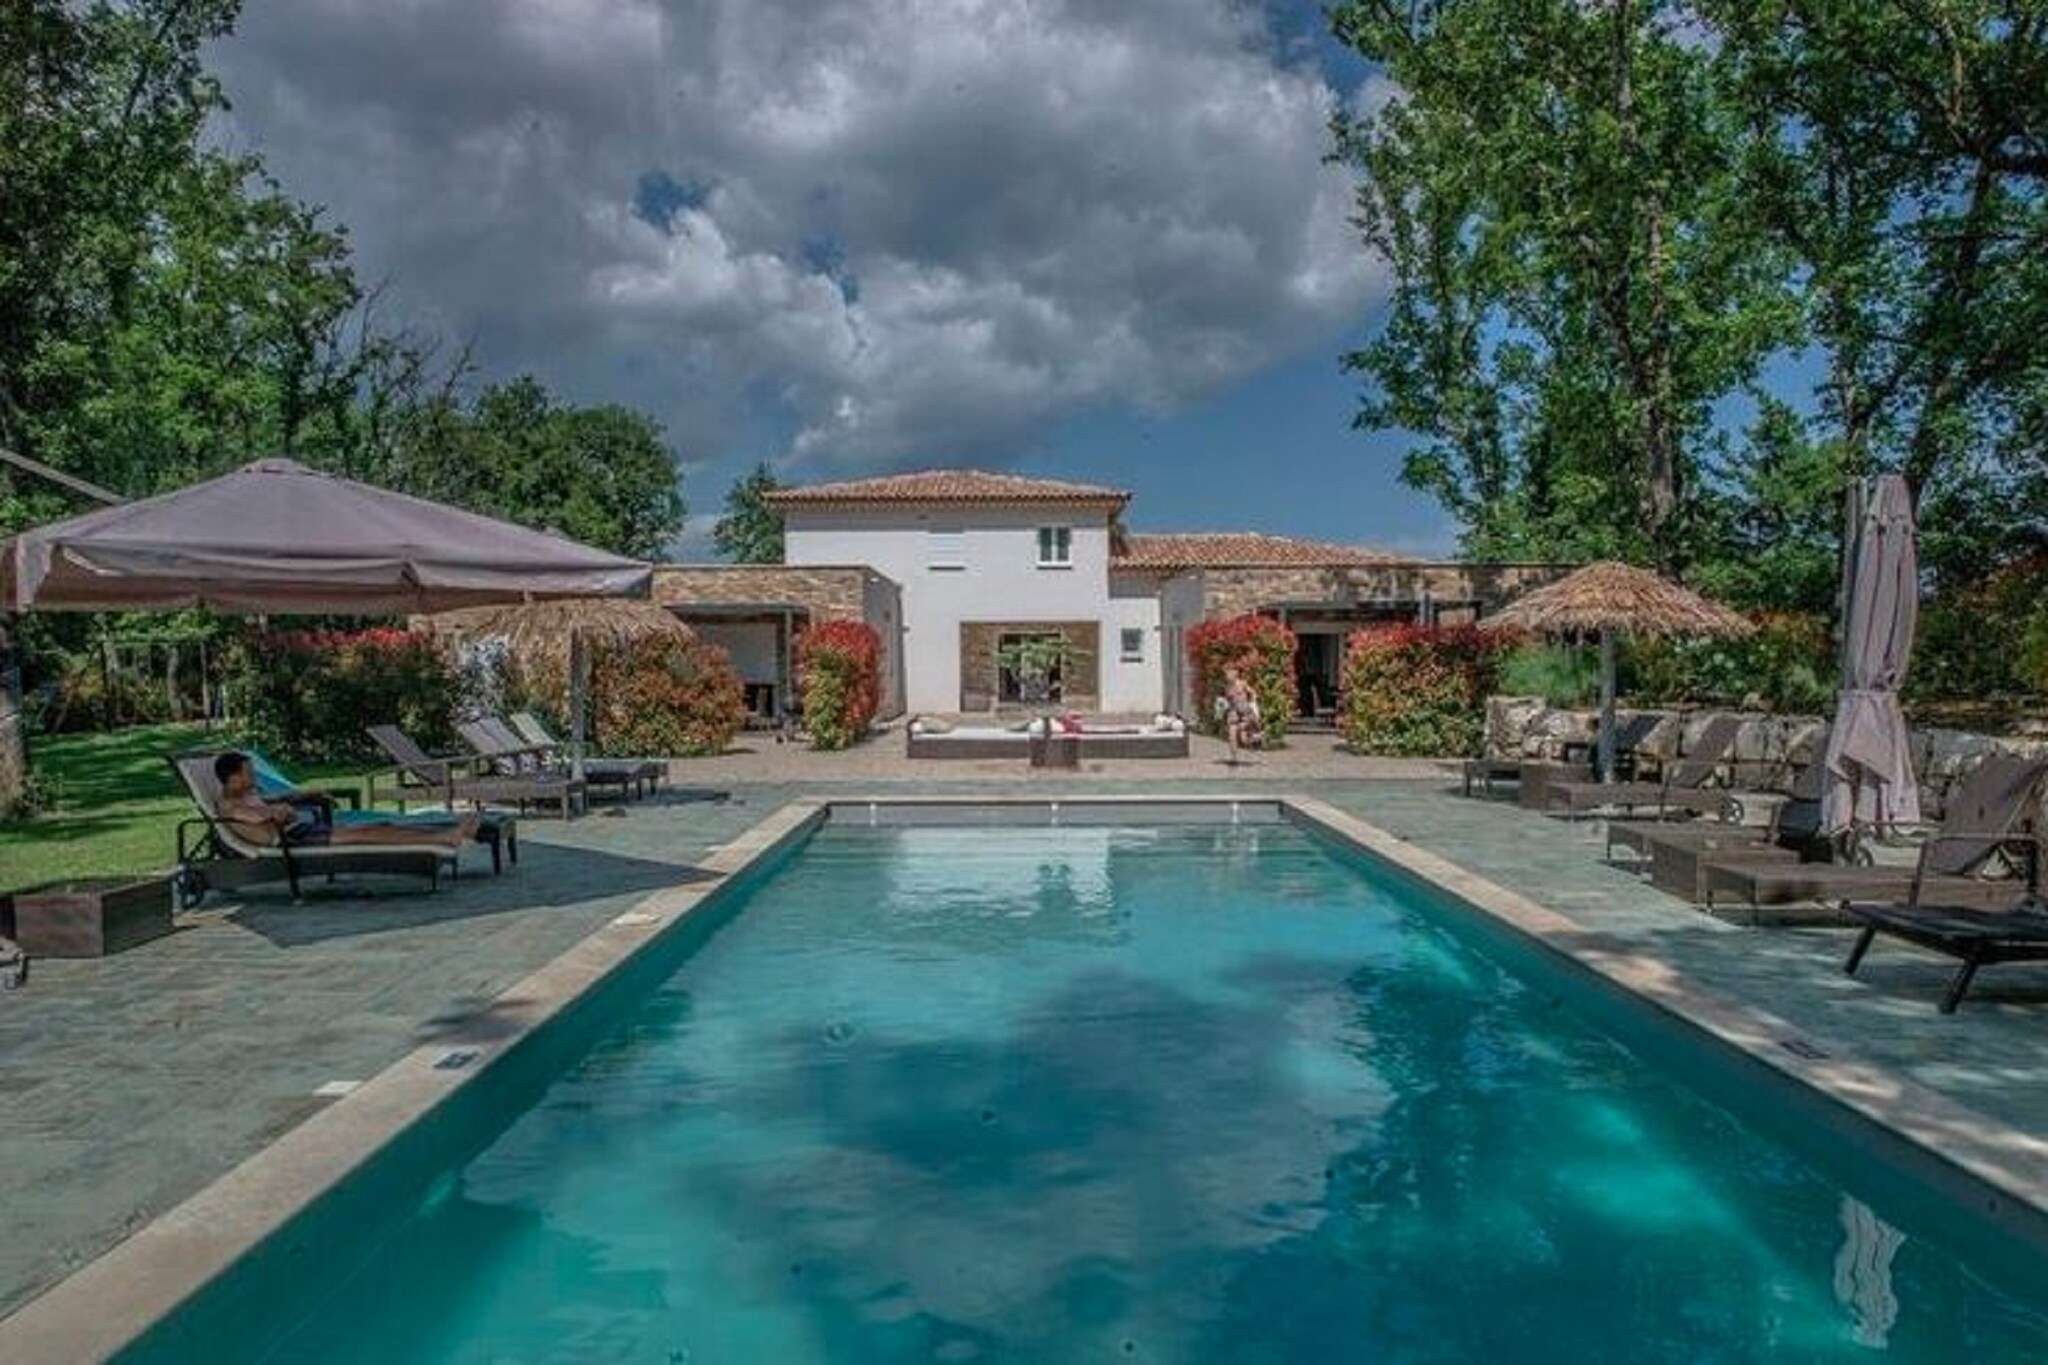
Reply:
x=949, y=566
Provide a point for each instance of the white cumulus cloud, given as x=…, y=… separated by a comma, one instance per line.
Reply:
x=905, y=232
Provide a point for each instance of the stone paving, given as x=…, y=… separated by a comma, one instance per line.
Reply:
x=131, y=1082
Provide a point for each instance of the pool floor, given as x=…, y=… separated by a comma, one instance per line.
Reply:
x=1181, y=1094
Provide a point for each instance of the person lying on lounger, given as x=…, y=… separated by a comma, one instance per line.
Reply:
x=307, y=818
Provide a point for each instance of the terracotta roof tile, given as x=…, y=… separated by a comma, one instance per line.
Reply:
x=1241, y=550
x=949, y=485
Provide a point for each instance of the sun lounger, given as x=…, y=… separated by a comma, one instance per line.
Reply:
x=1629, y=737
x=1975, y=938
x=214, y=855
x=1793, y=827
x=508, y=751
x=1980, y=835
x=497, y=831
x=1686, y=785
x=449, y=780
x=644, y=773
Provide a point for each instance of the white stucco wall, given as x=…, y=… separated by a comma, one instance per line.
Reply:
x=882, y=608
x=1134, y=685
x=1180, y=608
x=1000, y=581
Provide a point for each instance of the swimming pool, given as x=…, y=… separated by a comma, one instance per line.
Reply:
x=1124, y=1092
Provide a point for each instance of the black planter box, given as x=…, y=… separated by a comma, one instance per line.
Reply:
x=91, y=918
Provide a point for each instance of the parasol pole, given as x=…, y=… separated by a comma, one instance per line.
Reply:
x=1606, y=704
x=577, y=701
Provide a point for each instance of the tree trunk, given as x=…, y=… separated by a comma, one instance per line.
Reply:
x=13, y=751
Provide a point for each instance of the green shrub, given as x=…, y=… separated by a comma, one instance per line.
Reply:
x=1987, y=640
x=1418, y=691
x=310, y=695
x=1259, y=646
x=666, y=696
x=1788, y=664
x=839, y=667
x=1562, y=675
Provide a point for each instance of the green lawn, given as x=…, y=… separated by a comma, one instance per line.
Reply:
x=113, y=806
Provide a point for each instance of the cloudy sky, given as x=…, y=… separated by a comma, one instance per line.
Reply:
x=1086, y=238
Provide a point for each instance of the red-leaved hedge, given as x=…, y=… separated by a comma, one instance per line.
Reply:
x=839, y=668
x=1263, y=649
x=665, y=696
x=1418, y=691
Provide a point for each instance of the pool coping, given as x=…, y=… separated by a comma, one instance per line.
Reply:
x=114, y=1299
x=110, y=1302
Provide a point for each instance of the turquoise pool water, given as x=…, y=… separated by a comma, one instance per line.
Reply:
x=1114, y=1094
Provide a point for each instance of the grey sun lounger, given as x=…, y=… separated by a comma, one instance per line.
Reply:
x=213, y=855
x=1975, y=938
x=450, y=780
x=498, y=831
x=506, y=754
x=1686, y=784
x=1794, y=825
x=1629, y=737
x=1980, y=834
x=645, y=774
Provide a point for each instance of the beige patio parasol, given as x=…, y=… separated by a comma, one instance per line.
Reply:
x=1609, y=599
x=559, y=633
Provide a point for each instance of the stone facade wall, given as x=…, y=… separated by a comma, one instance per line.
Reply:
x=1526, y=727
x=1396, y=588
x=1081, y=687
x=828, y=594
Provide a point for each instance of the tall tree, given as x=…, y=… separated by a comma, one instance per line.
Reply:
x=1574, y=282
x=603, y=475
x=750, y=532
x=1901, y=151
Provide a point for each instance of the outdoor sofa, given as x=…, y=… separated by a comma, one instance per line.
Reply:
x=1162, y=737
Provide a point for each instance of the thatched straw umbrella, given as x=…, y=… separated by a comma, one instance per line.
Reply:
x=558, y=634
x=1609, y=599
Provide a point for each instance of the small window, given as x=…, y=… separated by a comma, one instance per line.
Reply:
x=1055, y=547
x=1132, y=645
x=946, y=548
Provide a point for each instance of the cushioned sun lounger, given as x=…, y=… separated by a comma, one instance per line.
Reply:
x=1980, y=835
x=1686, y=784
x=498, y=831
x=214, y=855
x=645, y=773
x=449, y=780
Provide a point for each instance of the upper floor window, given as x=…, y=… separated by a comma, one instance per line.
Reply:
x=945, y=548
x=1055, y=547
